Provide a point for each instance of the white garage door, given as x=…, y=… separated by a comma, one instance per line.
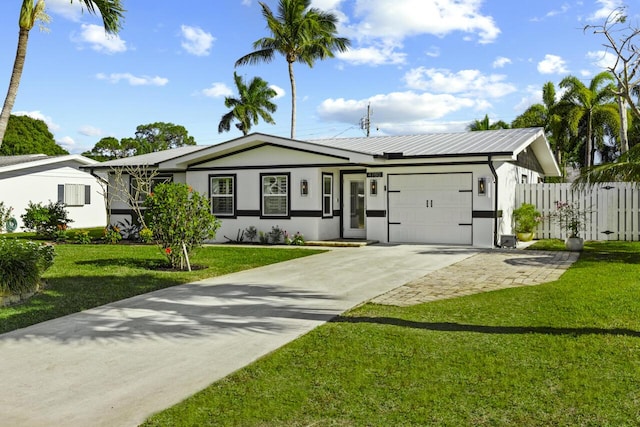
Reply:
x=430, y=208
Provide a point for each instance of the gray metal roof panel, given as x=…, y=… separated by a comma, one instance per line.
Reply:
x=25, y=158
x=438, y=144
x=154, y=158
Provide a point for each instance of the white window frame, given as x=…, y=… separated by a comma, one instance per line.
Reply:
x=230, y=194
x=275, y=185
x=327, y=196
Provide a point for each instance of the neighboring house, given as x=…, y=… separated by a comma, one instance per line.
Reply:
x=456, y=188
x=39, y=178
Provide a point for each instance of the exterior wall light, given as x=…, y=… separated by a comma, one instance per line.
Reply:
x=304, y=187
x=482, y=186
x=373, y=187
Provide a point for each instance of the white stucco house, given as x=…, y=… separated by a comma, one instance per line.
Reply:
x=39, y=178
x=455, y=188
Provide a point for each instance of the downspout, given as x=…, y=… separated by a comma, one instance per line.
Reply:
x=495, y=203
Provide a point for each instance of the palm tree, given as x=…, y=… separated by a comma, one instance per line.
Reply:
x=589, y=107
x=626, y=169
x=484, y=124
x=548, y=116
x=110, y=10
x=254, y=102
x=301, y=34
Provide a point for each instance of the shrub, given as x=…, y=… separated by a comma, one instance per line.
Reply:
x=46, y=220
x=275, y=234
x=145, y=235
x=5, y=215
x=251, y=232
x=22, y=264
x=526, y=218
x=296, y=239
x=181, y=220
x=112, y=234
x=82, y=237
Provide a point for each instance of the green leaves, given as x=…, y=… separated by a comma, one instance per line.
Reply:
x=180, y=220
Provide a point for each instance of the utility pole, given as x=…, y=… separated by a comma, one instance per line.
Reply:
x=365, y=122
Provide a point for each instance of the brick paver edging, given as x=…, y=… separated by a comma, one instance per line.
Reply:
x=485, y=271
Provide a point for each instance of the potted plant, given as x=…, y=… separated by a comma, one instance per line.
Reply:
x=572, y=219
x=526, y=218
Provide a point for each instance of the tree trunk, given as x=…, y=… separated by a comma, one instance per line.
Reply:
x=589, y=143
x=293, y=101
x=624, y=126
x=16, y=74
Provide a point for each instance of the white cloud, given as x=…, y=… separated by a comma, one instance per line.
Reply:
x=39, y=116
x=552, y=64
x=66, y=9
x=196, y=41
x=605, y=10
x=396, y=107
x=500, y=62
x=217, y=90
x=279, y=91
x=464, y=82
x=433, y=52
x=96, y=37
x=602, y=59
x=67, y=143
x=563, y=9
x=373, y=55
x=133, y=80
x=90, y=131
x=379, y=19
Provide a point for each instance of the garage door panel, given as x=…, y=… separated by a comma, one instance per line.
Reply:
x=430, y=208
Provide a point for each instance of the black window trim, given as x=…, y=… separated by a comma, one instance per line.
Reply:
x=234, y=195
x=288, y=176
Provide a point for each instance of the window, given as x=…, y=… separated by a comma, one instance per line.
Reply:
x=222, y=191
x=143, y=186
x=74, y=194
x=327, y=195
x=275, y=195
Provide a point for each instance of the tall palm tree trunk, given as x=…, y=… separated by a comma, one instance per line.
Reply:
x=589, y=143
x=16, y=74
x=293, y=101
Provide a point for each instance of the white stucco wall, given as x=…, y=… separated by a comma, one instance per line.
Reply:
x=40, y=185
x=509, y=175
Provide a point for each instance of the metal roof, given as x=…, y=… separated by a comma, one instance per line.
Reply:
x=152, y=159
x=25, y=158
x=438, y=144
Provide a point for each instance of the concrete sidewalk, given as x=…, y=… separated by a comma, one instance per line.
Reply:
x=117, y=364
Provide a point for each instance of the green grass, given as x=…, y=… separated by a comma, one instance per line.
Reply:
x=559, y=354
x=86, y=276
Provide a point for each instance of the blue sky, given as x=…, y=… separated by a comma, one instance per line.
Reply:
x=422, y=65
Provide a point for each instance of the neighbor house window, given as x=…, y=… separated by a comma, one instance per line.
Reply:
x=74, y=194
x=141, y=186
x=275, y=195
x=327, y=195
x=223, y=195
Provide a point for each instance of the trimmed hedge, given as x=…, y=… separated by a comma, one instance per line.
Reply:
x=22, y=263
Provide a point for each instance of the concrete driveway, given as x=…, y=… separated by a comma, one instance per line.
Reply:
x=117, y=364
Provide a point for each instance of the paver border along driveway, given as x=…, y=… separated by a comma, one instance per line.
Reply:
x=117, y=364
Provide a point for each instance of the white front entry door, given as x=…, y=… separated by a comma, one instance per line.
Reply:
x=430, y=208
x=354, y=207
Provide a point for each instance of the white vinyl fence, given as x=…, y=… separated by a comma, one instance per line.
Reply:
x=613, y=209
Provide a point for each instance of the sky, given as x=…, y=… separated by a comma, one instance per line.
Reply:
x=421, y=65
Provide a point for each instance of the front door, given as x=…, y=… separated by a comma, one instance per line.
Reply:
x=354, y=207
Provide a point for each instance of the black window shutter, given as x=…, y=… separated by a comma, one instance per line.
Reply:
x=61, y=193
x=87, y=194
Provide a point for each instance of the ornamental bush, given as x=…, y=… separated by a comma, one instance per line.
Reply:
x=5, y=215
x=46, y=220
x=22, y=263
x=180, y=219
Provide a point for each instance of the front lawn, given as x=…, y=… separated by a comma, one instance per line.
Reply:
x=558, y=354
x=86, y=276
